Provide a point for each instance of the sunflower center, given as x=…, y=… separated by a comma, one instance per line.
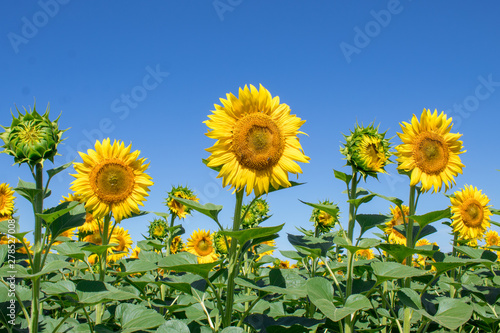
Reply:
x=257, y=141
x=325, y=219
x=431, y=153
x=29, y=135
x=204, y=247
x=493, y=240
x=472, y=213
x=112, y=181
x=158, y=231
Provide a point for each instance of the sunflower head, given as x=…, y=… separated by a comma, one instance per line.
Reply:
x=201, y=244
x=322, y=220
x=256, y=213
x=257, y=144
x=471, y=213
x=282, y=264
x=32, y=138
x=175, y=207
x=367, y=150
x=221, y=248
x=491, y=238
x=365, y=254
x=394, y=236
x=158, y=229
x=177, y=245
x=429, y=152
x=121, y=237
x=112, y=179
x=6, y=200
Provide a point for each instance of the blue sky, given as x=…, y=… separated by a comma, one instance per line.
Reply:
x=149, y=74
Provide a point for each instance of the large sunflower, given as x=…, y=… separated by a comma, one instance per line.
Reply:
x=6, y=199
x=471, y=213
x=429, y=151
x=257, y=142
x=201, y=245
x=111, y=178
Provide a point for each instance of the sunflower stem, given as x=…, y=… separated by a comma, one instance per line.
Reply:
x=348, y=324
x=169, y=241
x=102, y=265
x=38, y=209
x=410, y=244
x=233, y=261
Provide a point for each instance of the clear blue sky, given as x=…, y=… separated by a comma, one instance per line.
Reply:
x=149, y=73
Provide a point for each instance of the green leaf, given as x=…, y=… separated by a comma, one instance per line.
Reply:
x=365, y=243
x=71, y=249
x=93, y=292
x=173, y=326
x=98, y=249
x=410, y=298
x=51, y=267
x=391, y=270
x=245, y=235
x=319, y=288
x=452, y=262
x=365, y=199
x=52, y=172
x=208, y=209
x=396, y=201
x=133, y=317
x=368, y=221
x=179, y=263
x=27, y=190
x=401, y=252
x=233, y=329
x=72, y=218
x=314, y=246
x=330, y=209
x=487, y=294
x=53, y=213
x=292, y=184
x=425, y=219
x=342, y=176
x=452, y=313
x=7, y=227
x=477, y=253
x=136, y=266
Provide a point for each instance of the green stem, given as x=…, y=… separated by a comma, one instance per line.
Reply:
x=409, y=243
x=38, y=209
x=233, y=261
x=169, y=241
x=102, y=265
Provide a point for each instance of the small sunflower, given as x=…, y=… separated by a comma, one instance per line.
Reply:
x=175, y=207
x=220, y=243
x=322, y=220
x=158, y=229
x=256, y=214
x=367, y=150
x=491, y=238
x=121, y=237
x=394, y=236
x=201, y=245
x=177, y=245
x=366, y=254
x=6, y=199
x=257, y=144
x=111, y=178
x=282, y=264
x=471, y=213
x=429, y=151
x=422, y=242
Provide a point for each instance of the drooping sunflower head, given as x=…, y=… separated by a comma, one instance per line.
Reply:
x=6, y=199
x=175, y=207
x=32, y=138
x=121, y=237
x=255, y=214
x=471, y=213
x=91, y=225
x=111, y=178
x=429, y=151
x=158, y=229
x=323, y=220
x=201, y=245
x=491, y=238
x=367, y=150
x=220, y=243
x=394, y=236
x=257, y=144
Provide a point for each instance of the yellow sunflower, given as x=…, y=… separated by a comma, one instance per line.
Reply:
x=257, y=142
x=492, y=239
x=366, y=254
x=121, y=237
x=6, y=199
x=429, y=151
x=201, y=245
x=111, y=178
x=422, y=242
x=91, y=223
x=177, y=245
x=175, y=207
x=135, y=253
x=471, y=214
x=394, y=236
x=282, y=264
x=5, y=217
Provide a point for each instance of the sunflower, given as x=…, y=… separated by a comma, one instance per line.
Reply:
x=394, y=236
x=322, y=220
x=492, y=239
x=366, y=254
x=91, y=223
x=429, y=151
x=158, y=229
x=201, y=245
x=112, y=179
x=5, y=217
x=257, y=142
x=135, y=253
x=367, y=150
x=177, y=245
x=471, y=214
x=6, y=199
x=121, y=237
x=282, y=264
x=175, y=207
x=255, y=214
x=422, y=242
x=220, y=243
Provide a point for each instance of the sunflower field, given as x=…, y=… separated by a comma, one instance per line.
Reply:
x=367, y=273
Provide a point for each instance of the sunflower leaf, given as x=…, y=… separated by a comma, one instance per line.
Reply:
x=244, y=236
x=52, y=172
x=208, y=209
x=342, y=176
x=330, y=209
x=368, y=221
x=272, y=189
x=425, y=219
